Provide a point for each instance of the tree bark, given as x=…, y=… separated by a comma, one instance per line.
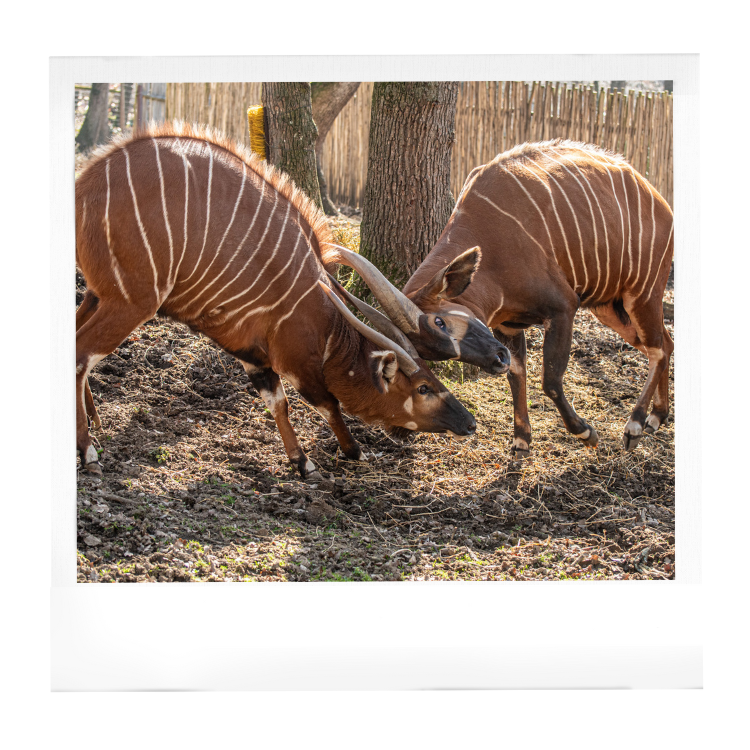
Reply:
x=328, y=99
x=95, y=128
x=291, y=134
x=407, y=198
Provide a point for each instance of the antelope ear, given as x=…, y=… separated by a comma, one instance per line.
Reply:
x=451, y=281
x=384, y=365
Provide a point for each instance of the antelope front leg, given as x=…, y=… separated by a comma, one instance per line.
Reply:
x=555, y=354
x=517, y=379
x=331, y=412
x=269, y=386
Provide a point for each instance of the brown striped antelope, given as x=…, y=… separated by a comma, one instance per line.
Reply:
x=561, y=225
x=177, y=220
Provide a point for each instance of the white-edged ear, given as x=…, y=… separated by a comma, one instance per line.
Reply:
x=385, y=367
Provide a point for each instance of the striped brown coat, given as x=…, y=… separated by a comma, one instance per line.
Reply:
x=179, y=221
x=561, y=225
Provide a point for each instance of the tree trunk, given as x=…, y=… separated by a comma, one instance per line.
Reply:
x=95, y=128
x=291, y=134
x=407, y=195
x=328, y=99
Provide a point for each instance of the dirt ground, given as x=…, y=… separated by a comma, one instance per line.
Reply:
x=197, y=487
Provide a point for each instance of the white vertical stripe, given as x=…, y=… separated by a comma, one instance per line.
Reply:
x=240, y=246
x=557, y=216
x=594, y=294
x=291, y=312
x=505, y=213
x=113, y=260
x=292, y=256
x=218, y=249
x=164, y=211
x=536, y=205
x=140, y=226
x=257, y=247
x=208, y=209
x=185, y=223
x=653, y=238
x=266, y=308
x=666, y=251
x=640, y=228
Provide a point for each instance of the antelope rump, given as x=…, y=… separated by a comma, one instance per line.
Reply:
x=561, y=225
x=179, y=221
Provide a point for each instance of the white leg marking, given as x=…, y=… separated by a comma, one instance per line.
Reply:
x=327, y=414
x=140, y=226
x=585, y=434
x=520, y=444
x=653, y=422
x=91, y=455
x=309, y=467
x=633, y=428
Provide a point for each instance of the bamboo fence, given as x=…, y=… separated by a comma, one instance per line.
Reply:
x=491, y=117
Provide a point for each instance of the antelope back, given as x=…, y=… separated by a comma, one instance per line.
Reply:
x=551, y=209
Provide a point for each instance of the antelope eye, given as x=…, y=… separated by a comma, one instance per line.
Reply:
x=423, y=389
x=439, y=323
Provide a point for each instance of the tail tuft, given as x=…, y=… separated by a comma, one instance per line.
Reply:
x=619, y=309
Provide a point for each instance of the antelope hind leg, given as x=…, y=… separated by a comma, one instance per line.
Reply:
x=101, y=331
x=661, y=397
x=658, y=348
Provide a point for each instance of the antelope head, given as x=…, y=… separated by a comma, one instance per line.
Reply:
x=408, y=396
x=436, y=326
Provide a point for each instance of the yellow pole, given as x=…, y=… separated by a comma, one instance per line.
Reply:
x=257, y=136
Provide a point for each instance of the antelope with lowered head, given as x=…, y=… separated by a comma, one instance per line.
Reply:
x=178, y=220
x=561, y=225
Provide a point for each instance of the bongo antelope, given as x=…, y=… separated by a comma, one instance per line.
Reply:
x=177, y=220
x=561, y=225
